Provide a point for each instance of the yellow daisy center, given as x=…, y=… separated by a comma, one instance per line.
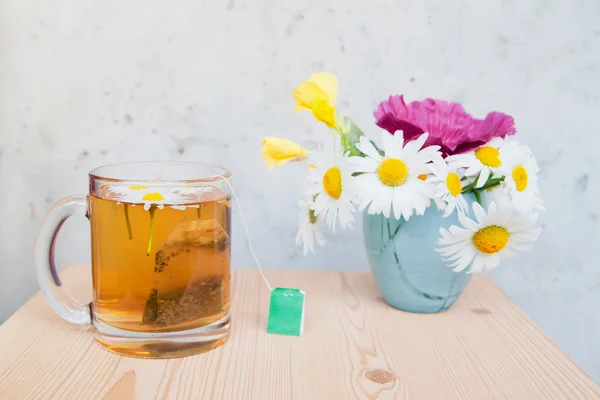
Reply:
x=520, y=177
x=138, y=187
x=491, y=239
x=489, y=156
x=392, y=172
x=312, y=218
x=453, y=184
x=332, y=182
x=155, y=196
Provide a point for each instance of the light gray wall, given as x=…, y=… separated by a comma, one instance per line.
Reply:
x=84, y=83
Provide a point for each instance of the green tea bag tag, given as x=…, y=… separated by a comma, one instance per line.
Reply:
x=286, y=312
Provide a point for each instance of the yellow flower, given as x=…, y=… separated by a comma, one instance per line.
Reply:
x=318, y=95
x=278, y=151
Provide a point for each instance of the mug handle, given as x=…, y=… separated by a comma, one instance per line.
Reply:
x=45, y=269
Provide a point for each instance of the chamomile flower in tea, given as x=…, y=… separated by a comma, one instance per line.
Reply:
x=153, y=199
x=188, y=190
x=125, y=192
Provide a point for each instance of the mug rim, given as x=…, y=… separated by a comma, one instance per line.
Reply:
x=95, y=173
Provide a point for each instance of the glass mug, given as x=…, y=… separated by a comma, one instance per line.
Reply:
x=160, y=258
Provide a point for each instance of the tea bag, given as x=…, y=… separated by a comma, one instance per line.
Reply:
x=184, y=290
x=199, y=299
x=190, y=235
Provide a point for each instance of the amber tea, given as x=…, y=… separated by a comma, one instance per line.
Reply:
x=161, y=267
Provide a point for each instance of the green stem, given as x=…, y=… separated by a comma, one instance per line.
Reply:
x=349, y=134
x=344, y=141
x=128, y=222
x=152, y=209
x=491, y=183
x=469, y=187
x=477, y=196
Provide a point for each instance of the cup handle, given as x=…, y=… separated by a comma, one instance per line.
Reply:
x=45, y=270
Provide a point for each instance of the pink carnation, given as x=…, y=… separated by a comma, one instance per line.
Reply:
x=448, y=124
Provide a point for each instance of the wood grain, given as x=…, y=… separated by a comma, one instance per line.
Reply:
x=354, y=347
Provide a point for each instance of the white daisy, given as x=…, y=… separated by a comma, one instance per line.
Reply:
x=309, y=230
x=494, y=235
x=330, y=178
x=520, y=181
x=495, y=194
x=484, y=161
x=189, y=189
x=153, y=199
x=394, y=180
x=141, y=194
x=448, y=186
x=125, y=192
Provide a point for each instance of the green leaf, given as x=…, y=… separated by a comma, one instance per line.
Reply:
x=350, y=136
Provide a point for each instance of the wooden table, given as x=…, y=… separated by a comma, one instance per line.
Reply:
x=354, y=346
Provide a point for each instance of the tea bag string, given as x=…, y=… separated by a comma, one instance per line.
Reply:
x=248, y=237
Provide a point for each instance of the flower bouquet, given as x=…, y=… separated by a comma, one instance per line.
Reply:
x=442, y=195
